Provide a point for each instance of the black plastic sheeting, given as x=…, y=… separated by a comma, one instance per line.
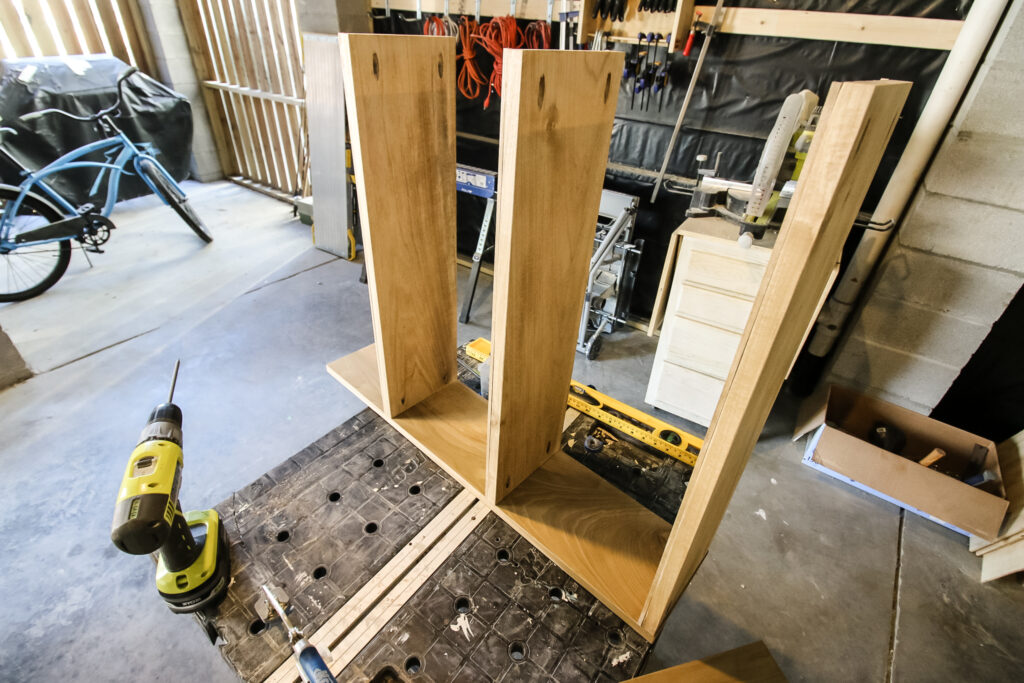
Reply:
x=83, y=85
x=738, y=96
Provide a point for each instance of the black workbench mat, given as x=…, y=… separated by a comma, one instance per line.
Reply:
x=499, y=610
x=305, y=526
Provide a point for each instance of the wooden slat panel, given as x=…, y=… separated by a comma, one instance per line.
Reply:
x=855, y=127
x=400, y=97
x=37, y=24
x=556, y=120
x=65, y=26
x=118, y=45
x=11, y=21
x=91, y=31
x=138, y=39
x=257, y=63
x=199, y=51
x=273, y=82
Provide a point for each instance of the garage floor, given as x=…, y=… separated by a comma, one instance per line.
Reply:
x=841, y=586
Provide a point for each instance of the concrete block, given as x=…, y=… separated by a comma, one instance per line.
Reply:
x=920, y=331
x=973, y=293
x=12, y=365
x=980, y=167
x=981, y=233
x=907, y=379
x=995, y=104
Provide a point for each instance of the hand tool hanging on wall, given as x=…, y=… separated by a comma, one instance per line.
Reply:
x=661, y=75
x=709, y=32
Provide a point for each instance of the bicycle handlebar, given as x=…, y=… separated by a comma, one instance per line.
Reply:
x=95, y=117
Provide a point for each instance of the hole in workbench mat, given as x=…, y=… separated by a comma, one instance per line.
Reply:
x=556, y=594
x=503, y=555
x=283, y=535
x=334, y=496
x=517, y=651
x=415, y=490
x=257, y=627
x=463, y=605
x=319, y=573
x=371, y=528
x=378, y=462
x=386, y=675
x=614, y=637
x=413, y=665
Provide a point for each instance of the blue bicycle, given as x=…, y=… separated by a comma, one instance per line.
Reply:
x=37, y=224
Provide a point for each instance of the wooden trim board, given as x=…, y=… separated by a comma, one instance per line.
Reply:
x=1011, y=466
x=855, y=127
x=557, y=109
x=751, y=663
x=351, y=614
x=400, y=98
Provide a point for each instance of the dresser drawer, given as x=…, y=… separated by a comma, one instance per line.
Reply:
x=684, y=392
x=727, y=268
x=706, y=349
x=715, y=308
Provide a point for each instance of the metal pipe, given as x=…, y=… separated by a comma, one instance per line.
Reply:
x=956, y=74
x=689, y=95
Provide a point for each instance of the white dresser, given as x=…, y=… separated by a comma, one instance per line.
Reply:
x=710, y=281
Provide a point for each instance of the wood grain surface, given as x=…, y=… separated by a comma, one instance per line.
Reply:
x=400, y=97
x=556, y=120
x=855, y=127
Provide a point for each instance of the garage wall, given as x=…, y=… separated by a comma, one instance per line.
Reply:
x=174, y=69
x=958, y=257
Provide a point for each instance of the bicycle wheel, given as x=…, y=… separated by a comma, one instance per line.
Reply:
x=175, y=199
x=29, y=271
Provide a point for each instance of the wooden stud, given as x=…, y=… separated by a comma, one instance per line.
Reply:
x=855, y=127
x=400, y=97
x=557, y=110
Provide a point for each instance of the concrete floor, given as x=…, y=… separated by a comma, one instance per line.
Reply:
x=841, y=586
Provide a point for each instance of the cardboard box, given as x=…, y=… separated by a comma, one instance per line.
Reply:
x=841, y=421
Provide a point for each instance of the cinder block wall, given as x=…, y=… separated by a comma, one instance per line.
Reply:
x=958, y=258
x=174, y=64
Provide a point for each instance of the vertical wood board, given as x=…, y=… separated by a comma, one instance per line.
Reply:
x=556, y=119
x=855, y=127
x=400, y=97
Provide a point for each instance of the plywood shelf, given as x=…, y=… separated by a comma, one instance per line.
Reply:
x=449, y=426
x=606, y=541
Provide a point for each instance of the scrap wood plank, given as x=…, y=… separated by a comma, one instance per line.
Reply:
x=855, y=127
x=751, y=663
x=352, y=612
x=555, y=130
x=1011, y=466
x=1002, y=562
x=400, y=97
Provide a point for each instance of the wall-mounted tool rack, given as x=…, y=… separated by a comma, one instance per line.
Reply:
x=875, y=29
x=557, y=114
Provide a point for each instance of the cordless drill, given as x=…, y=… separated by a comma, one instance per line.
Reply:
x=193, y=564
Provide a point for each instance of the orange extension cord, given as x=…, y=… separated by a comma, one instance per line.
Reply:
x=470, y=77
x=538, y=35
x=496, y=35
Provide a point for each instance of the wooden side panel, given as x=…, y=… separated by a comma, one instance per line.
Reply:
x=856, y=124
x=556, y=122
x=400, y=97
x=750, y=664
x=325, y=104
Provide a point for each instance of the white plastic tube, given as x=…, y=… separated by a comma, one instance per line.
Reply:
x=962, y=62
